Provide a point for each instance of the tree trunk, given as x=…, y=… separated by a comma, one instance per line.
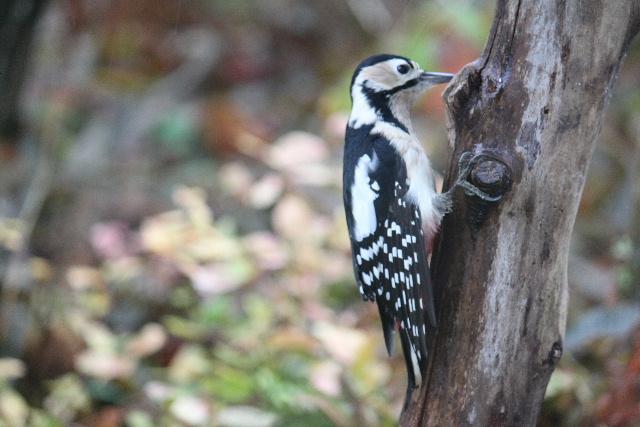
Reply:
x=17, y=22
x=533, y=104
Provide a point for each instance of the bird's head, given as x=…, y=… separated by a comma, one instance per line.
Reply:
x=388, y=84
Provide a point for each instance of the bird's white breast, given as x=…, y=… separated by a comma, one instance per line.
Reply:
x=419, y=171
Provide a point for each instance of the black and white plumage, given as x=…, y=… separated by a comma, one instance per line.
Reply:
x=392, y=208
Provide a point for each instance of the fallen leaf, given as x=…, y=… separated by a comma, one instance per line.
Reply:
x=325, y=377
x=245, y=416
x=149, y=340
x=191, y=410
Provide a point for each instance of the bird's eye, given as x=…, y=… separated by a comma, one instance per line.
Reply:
x=403, y=69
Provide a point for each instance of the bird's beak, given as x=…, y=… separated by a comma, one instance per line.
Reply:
x=436, y=78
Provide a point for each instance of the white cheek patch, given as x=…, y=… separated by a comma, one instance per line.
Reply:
x=361, y=112
x=363, y=194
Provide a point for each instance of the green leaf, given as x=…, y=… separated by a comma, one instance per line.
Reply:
x=215, y=311
x=230, y=384
x=138, y=418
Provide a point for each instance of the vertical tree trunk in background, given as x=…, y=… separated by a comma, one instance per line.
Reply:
x=534, y=102
x=17, y=21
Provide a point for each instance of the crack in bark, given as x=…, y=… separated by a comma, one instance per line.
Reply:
x=515, y=23
x=492, y=42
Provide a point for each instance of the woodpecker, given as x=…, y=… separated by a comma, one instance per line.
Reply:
x=393, y=210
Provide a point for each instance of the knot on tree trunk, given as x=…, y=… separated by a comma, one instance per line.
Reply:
x=485, y=179
x=491, y=176
x=484, y=175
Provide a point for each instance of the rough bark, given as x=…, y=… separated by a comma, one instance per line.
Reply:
x=533, y=103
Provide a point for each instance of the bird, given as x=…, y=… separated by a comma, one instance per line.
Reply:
x=393, y=210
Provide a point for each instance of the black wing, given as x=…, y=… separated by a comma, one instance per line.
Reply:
x=391, y=264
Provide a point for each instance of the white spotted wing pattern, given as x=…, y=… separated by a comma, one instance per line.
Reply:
x=391, y=266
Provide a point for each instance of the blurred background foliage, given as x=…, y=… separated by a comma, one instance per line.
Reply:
x=173, y=250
